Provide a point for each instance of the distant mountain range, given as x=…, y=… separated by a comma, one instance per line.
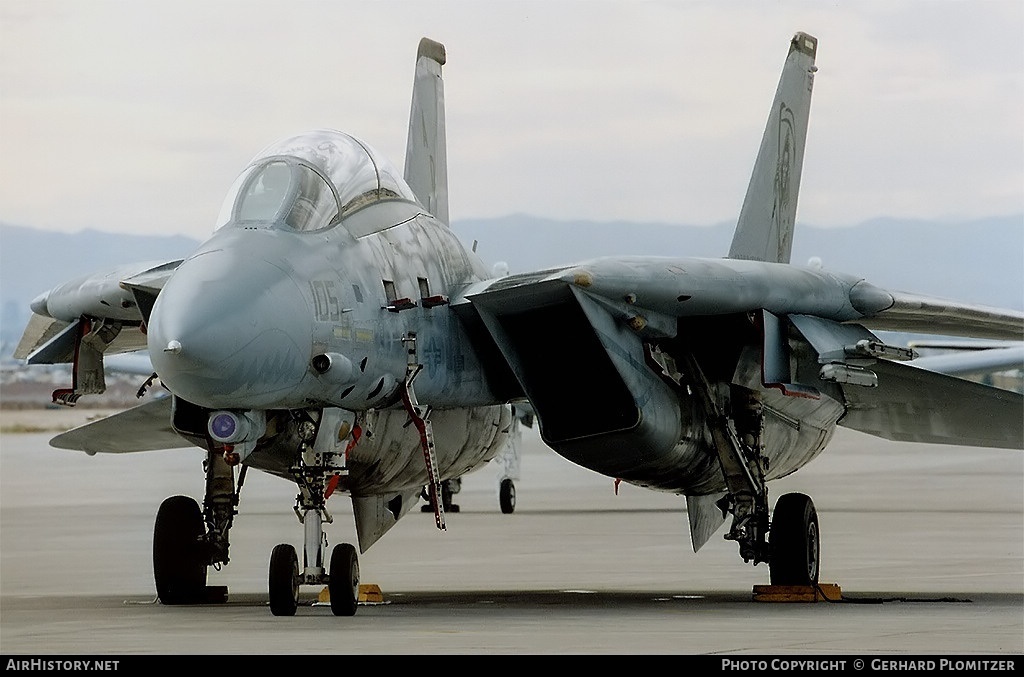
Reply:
x=979, y=261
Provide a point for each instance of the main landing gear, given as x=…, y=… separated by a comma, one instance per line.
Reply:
x=186, y=540
x=735, y=418
x=507, y=496
x=448, y=489
x=179, y=553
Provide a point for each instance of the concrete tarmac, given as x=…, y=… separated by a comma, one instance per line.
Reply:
x=926, y=543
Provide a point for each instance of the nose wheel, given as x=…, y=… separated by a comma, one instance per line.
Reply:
x=343, y=580
x=284, y=580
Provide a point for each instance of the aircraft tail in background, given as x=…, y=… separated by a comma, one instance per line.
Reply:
x=764, y=231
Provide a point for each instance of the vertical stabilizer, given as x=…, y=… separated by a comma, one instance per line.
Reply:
x=764, y=231
x=426, y=159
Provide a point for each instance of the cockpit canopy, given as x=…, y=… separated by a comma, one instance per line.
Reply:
x=312, y=181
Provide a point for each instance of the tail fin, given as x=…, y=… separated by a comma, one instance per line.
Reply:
x=764, y=231
x=426, y=159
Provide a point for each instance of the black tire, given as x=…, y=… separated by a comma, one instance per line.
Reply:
x=343, y=580
x=507, y=496
x=284, y=580
x=446, y=498
x=794, y=541
x=179, y=553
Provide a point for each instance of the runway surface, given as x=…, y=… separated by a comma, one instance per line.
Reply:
x=926, y=543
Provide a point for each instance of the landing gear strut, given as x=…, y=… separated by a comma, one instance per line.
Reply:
x=740, y=454
x=794, y=551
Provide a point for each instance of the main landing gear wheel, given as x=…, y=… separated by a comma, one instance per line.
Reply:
x=284, y=580
x=447, y=492
x=343, y=580
x=179, y=562
x=507, y=496
x=795, y=546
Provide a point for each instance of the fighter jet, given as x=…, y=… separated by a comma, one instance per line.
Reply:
x=334, y=331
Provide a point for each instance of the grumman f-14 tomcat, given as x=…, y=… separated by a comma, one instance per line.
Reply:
x=334, y=331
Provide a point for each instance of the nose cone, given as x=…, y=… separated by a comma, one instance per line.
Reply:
x=231, y=331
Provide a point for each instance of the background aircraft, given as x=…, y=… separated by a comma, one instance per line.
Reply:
x=335, y=332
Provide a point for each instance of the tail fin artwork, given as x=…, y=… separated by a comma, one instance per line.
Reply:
x=426, y=160
x=764, y=231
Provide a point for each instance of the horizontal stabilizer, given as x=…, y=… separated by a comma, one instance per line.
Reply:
x=146, y=427
x=916, y=405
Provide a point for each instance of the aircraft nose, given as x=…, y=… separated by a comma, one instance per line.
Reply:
x=231, y=332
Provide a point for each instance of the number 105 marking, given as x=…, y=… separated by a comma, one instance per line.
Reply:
x=326, y=300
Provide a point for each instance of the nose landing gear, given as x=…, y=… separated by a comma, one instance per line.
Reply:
x=314, y=473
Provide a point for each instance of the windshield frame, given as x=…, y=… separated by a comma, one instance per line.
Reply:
x=321, y=207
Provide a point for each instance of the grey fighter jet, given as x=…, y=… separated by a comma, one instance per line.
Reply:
x=334, y=331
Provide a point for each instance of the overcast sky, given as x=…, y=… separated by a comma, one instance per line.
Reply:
x=135, y=116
